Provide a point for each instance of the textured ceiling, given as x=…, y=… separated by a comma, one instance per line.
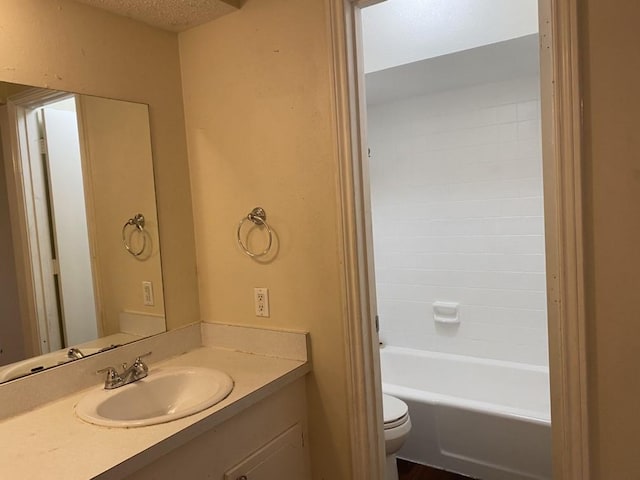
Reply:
x=173, y=15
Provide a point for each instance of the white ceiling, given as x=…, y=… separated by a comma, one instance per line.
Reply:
x=172, y=15
x=397, y=32
x=497, y=62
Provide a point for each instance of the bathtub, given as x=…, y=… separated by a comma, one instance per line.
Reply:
x=483, y=418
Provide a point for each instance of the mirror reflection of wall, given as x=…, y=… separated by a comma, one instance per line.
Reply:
x=76, y=168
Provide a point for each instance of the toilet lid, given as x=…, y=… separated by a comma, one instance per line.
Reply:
x=393, y=409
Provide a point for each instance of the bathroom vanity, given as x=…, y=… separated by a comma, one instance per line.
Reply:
x=258, y=431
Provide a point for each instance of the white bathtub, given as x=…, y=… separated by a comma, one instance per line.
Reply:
x=486, y=419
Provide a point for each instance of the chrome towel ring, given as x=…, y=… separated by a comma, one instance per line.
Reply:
x=138, y=222
x=259, y=217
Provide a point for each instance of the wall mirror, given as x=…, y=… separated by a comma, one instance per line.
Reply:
x=80, y=268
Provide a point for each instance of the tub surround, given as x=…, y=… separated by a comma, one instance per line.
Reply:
x=40, y=427
x=456, y=183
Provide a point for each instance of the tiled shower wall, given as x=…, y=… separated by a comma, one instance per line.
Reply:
x=456, y=185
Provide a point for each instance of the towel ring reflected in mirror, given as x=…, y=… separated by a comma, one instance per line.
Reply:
x=259, y=217
x=138, y=223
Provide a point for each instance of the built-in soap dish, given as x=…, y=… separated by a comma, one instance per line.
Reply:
x=446, y=313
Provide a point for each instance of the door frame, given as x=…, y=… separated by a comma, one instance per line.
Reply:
x=564, y=238
x=37, y=301
x=31, y=238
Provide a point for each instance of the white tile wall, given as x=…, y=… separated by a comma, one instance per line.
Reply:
x=456, y=182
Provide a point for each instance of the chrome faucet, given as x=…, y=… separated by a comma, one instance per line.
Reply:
x=136, y=371
x=74, y=353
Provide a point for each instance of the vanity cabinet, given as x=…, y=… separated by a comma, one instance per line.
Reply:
x=266, y=441
x=281, y=458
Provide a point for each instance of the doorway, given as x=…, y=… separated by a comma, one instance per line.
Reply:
x=560, y=114
x=453, y=129
x=50, y=218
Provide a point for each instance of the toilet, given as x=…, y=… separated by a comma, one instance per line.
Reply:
x=397, y=426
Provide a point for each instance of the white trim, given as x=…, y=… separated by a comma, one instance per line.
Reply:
x=35, y=184
x=562, y=135
x=361, y=346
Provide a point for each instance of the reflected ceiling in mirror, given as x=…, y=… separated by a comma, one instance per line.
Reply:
x=79, y=245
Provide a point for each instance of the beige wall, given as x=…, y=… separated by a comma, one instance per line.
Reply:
x=255, y=98
x=64, y=45
x=119, y=172
x=611, y=76
x=259, y=131
x=258, y=117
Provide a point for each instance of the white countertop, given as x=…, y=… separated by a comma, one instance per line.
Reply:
x=50, y=442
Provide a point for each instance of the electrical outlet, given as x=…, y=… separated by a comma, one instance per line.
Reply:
x=261, y=301
x=147, y=294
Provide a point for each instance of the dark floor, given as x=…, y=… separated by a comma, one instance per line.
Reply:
x=412, y=471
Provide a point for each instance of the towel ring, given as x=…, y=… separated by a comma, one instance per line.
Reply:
x=259, y=217
x=138, y=222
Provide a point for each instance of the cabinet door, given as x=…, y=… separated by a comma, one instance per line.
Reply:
x=283, y=458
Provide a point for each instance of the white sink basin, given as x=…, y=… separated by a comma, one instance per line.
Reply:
x=166, y=394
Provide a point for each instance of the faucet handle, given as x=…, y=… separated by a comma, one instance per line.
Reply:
x=110, y=371
x=139, y=357
x=113, y=379
x=139, y=369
